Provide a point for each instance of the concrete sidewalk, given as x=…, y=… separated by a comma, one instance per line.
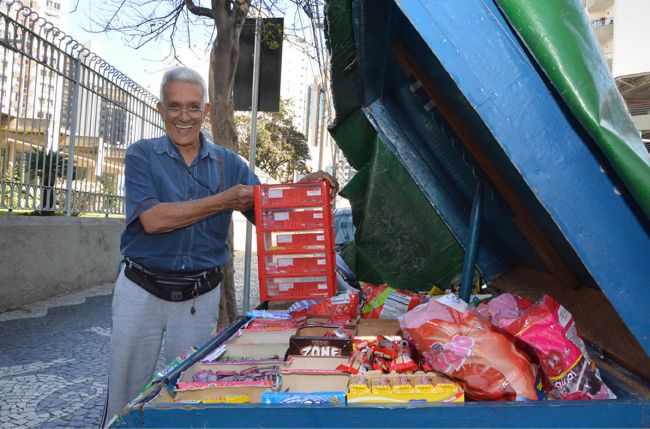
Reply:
x=54, y=357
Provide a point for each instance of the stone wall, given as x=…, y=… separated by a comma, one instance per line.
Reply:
x=42, y=257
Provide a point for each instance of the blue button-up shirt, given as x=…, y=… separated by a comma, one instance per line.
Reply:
x=156, y=172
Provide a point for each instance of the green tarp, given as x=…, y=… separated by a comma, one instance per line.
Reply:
x=559, y=36
x=400, y=239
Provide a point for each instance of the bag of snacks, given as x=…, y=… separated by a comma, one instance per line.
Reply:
x=461, y=344
x=385, y=302
x=549, y=330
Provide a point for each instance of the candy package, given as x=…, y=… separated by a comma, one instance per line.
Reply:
x=337, y=308
x=385, y=302
x=457, y=342
x=549, y=330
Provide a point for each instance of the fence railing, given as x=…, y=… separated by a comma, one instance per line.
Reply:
x=67, y=117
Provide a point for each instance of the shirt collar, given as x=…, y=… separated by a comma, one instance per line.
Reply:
x=164, y=144
x=205, y=149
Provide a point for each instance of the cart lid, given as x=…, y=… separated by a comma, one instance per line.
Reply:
x=432, y=98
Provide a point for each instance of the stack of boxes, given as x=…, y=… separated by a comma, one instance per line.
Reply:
x=295, y=241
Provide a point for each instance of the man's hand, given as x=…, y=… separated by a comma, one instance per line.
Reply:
x=321, y=175
x=240, y=197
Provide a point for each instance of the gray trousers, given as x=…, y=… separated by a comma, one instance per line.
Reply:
x=140, y=320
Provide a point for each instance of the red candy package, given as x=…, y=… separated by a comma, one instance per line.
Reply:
x=456, y=342
x=356, y=364
x=550, y=332
x=338, y=308
x=403, y=363
x=384, y=302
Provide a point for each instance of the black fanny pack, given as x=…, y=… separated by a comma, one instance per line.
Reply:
x=170, y=286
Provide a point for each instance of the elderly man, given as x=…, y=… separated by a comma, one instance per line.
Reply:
x=181, y=190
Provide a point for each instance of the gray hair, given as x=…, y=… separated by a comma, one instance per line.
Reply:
x=182, y=74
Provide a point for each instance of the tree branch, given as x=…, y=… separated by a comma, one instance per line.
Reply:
x=220, y=12
x=198, y=10
x=239, y=11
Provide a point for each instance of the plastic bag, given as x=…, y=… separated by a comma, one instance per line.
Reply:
x=549, y=330
x=384, y=302
x=456, y=342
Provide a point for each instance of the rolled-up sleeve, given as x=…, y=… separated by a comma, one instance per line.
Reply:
x=139, y=187
x=246, y=177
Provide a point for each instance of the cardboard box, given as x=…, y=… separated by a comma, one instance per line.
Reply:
x=318, y=330
x=320, y=346
x=438, y=389
x=299, y=363
x=188, y=375
x=254, y=352
x=374, y=327
x=314, y=382
x=221, y=394
x=247, y=336
x=211, y=395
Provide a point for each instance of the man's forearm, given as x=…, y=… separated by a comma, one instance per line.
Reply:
x=165, y=217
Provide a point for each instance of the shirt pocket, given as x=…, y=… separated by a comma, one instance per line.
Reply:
x=208, y=182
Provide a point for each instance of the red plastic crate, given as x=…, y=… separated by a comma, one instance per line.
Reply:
x=288, y=241
x=290, y=288
x=295, y=241
x=293, y=218
x=294, y=194
x=296, y=264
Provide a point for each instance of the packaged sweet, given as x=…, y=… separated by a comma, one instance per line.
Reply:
x=355, y=365
x=549, y=330
x=403, y=363
x=271, y=325
x=385, y=302
x=359, y=384
x=338, y=333
x=303, y=398
x=342, y=307
x=266, y=314
x=393, y=388
x=457, y=342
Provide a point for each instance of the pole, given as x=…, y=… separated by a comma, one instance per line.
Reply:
x=73, y=131
x=251, y=158
x=472, y=245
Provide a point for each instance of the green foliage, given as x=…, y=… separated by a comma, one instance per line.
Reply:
x=271, y=35
x=111, y=202
x=43, y=168
x=46, y=165
x=282, y=150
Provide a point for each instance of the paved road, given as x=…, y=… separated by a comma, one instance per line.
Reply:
x=54, y=358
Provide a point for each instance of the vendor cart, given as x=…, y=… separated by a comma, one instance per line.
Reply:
x=487, y=135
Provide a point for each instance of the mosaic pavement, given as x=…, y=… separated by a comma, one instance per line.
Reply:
x=54, y=358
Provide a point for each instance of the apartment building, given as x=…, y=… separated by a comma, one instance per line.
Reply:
x=27, y=90
x=623, y=31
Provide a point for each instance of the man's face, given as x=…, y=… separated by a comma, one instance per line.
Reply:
x=183, y=112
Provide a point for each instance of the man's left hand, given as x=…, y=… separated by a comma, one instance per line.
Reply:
x=321, y=175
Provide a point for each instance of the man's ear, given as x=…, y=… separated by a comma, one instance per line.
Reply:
x=161, y=109
x=207, y=110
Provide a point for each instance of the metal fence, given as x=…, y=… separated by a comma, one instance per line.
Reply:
x=67, y=117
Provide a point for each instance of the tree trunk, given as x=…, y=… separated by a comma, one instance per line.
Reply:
x=223, y=63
